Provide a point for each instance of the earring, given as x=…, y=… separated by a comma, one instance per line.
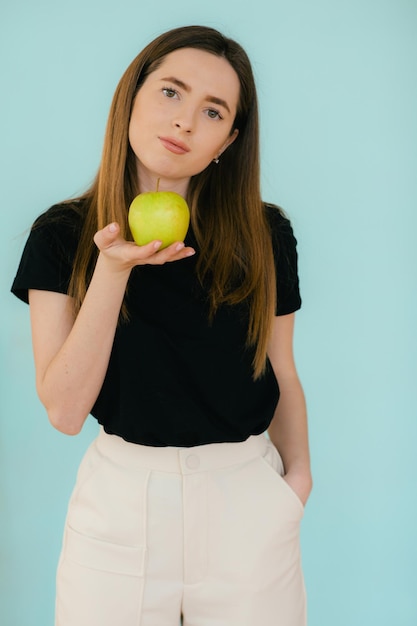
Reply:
x=216, y=160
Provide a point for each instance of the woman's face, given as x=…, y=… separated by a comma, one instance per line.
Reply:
x=182, y=118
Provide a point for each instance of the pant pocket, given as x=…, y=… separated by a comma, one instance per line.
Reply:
x=109, y=504
x=273, y=461
x=104, y=556
x=99, y=583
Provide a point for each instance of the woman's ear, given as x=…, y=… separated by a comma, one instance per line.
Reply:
x=226, y=144
x=229, y=140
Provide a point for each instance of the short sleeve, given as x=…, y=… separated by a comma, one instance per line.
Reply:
x=48, y=256
x=286, y=261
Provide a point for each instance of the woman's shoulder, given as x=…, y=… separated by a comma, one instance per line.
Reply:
x=276, y=216
x=68, y=215
x=280, y=225
x=284, y=246
x=47, y=258
x=57, y=230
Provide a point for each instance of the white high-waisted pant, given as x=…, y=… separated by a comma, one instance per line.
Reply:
x=210, y=533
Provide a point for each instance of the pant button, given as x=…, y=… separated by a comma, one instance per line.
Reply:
x=192, y=461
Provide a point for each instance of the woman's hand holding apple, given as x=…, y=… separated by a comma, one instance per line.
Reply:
x=121, y=255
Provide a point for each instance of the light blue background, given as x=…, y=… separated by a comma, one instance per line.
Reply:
x=338, y=91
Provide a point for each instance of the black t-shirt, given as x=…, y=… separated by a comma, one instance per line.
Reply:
x=173, y=377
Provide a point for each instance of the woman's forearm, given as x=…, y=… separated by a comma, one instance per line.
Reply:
x=289, y=433
x=288, y=430
x=69, y=385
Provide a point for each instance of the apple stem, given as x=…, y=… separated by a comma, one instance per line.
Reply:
x=157, y=184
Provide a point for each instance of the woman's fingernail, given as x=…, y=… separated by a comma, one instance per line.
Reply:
x=112, y=228
x=179, y=247
x=157, y=244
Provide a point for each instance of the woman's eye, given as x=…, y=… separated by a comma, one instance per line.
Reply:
x=169, y=93
x=213, y=114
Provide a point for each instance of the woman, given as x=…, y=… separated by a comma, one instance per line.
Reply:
x=182, y=505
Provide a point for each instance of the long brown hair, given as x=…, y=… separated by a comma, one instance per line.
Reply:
x=235, y=250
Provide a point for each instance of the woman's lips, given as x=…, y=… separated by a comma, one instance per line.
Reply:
x=174, y=145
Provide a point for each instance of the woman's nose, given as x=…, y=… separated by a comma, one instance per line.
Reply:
x=184, y=120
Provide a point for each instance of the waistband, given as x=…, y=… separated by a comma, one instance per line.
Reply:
x=181, y=460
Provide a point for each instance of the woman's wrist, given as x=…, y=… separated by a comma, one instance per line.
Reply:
x=300, y=481
x=112, y=267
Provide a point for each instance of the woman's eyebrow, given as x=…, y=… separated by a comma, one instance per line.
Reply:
x=179, y=83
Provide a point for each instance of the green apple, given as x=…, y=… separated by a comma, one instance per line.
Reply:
x=162, y=215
